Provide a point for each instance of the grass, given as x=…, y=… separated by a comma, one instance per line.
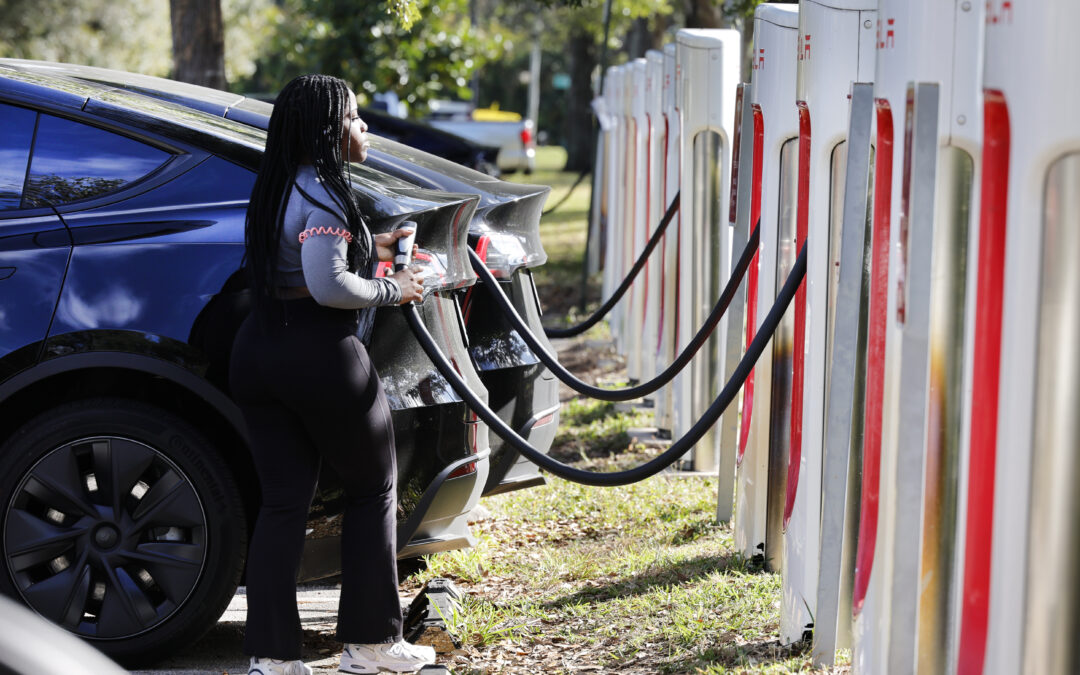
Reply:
x=563, y=232
x=636, y=579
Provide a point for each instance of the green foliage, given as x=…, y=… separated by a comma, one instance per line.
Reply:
x=124, y=34
x=108, y=33
x=419, y=49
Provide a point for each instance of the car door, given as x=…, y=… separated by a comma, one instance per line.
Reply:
x=34, y=249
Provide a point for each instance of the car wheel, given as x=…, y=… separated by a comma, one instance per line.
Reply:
x=121, y=523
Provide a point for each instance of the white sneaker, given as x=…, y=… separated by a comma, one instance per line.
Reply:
x=394, y=657
x=277, y=667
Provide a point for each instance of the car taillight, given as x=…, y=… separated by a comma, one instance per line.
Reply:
x=526, y=137
x=471, y=423
x=482, y=248
x=384, y=269
x=543, y=421
x=802, y=218
x=875, y=354
x=503, y=253
x=989, y=296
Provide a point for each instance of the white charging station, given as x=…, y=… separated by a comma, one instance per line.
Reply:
x=709, y=61
x=741, y=193
x=926, y=82
x=598, y=214
x=669, y=247
x=628, y=195
x=835, y=47
x=1044, y=177
x=762, y=455
x=638, y=178
x=615, y=193
x=654, y=209
x=1019, y=610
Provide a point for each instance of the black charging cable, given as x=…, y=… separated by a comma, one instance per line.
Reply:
x=645, y=388
x=658, y=463
x=603, y=309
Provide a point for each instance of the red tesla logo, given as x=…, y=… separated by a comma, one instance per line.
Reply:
x=889, y=41
x=999, y=12
x=760, y=63
x=804, y=51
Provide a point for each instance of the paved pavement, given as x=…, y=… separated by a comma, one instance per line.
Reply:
x=219, y=652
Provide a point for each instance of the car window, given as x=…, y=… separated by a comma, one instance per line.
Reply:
x=16, y=134
x=73, y=161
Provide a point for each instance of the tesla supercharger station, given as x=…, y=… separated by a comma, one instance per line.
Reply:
x=654, y=208
x=637, y=174
x=709, y=61
x=628, y=196
x=927, y=117
x=762, y=454
x=835, y=47
x=615, y=196
x=1019, y=609
x=739, y=208
x=669, y=247
x=598, y=213
x=1044, y=177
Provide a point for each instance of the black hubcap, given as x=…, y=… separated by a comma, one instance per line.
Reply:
x=105, y=536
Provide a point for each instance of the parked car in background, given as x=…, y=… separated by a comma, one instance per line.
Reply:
x=126, y=486
x=504, y=227
x=478, y=155
x=515, y=137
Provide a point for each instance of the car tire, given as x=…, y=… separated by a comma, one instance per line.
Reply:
x=121, y=522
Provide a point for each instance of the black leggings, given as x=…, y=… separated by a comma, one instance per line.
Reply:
x=309, y=392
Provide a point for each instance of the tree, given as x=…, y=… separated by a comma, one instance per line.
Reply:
x=375, y=52
x=125, y=34
x=198, y=42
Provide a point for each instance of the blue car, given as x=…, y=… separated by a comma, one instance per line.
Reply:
x=126, y=488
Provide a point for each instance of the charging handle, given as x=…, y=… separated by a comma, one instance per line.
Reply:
x=403, y=257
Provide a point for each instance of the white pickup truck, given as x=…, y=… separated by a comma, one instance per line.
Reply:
x=515, y=137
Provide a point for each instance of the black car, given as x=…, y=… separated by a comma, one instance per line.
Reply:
x=427, y=138
x=126, y=487
x=504, y=229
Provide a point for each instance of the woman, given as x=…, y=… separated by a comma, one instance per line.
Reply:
x=308, y=391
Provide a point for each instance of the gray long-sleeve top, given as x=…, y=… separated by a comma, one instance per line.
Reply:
x=313, y=248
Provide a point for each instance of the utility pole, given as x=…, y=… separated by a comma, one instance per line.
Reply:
x=534, y=75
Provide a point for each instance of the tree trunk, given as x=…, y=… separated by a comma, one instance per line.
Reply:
x=703, y=14
x=579, y=117
x=198, y=38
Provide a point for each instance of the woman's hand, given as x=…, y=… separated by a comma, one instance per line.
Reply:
x=386, y=244
x=411, y=282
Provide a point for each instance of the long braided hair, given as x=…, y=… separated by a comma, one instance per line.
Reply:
x=306, y=125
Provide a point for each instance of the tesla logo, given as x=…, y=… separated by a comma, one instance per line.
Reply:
x=667, y=81
x=889, y=39
x=804, y=48
x=759, y=63
x=999, y=11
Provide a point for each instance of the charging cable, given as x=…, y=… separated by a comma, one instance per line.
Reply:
x=658, y=463
x=603, y=309
x=645, y=388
